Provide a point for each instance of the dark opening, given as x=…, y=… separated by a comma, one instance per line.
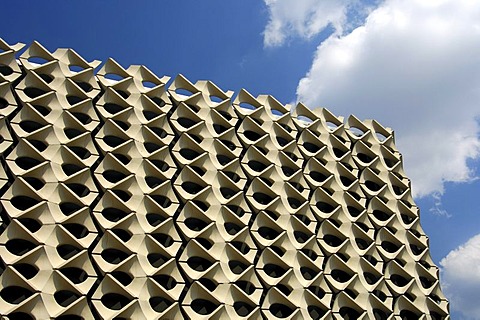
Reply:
x=85, y=86
x=227, y=193
x=113, y=141
x=159, y=132
x=70, y=168
x=310, y=147
x=124, y=235
x=262, y=198
x=241, y=246
x=246, y=286
x=316, y=312
x=202, y=306
x=15, y=294
x=5, y=70
x=372, y=185
x=207, y=244
x=252, y=135
x=237, y=267
x=317, y=291
x=332, y=240
x=164, y=239
x=114, y=256
x=199, y=263
x=223, y=159
x=72, y=100
x=122, y=93
x=30, y=126
x=208, y=283
x=317, y=176
x=195, y=224
x=114, y=301
x=26, y=270
x=123, y=195
x=232, y=228
x=151, y=147
x=229, y=144
x=280, y=310
x=364, y=157
x=69, y=208
x=159, y=304
x=82, y=117
x=273, y=270
x=408, y=315
x=162, y=201
x=398, y=280
x=161, y=165
x=243, y=309
x=189, y=154
x=81, y=152
x=44, y=111
x=381, y=295
x=308, y=273
x=159, y=102
x=339, y=153
x=379, y=314
x=287, y=171
x=153, y=182
x=300, y=236
x=72, y=133
x=165, y=281
x=3, y=103
x=113, y=176
x=113, y=108
x=340, y=275
x=114, y=214
x=279, y=251
x=21, y=316
x=33, y=92
x=39, y=145
x=310, y=253
x=236, y=210
x=31, y=224
x=349, y=313
x=294, y=202
x=76, y=275
x=191, y=187
x=389, y=246
x=370, y=277
x=325, y=207
x=149, y=115
x=66, y=251
x=65, y=297
x=23, y=202
x=157, y=259
x=232, y=175
x=79, y=189
x=362, y=243
x=154, y=219
x=268, y=233
x=122, y=277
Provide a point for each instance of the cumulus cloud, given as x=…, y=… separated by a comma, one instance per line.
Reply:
x=302, y=18
x=414, y=66
x=460, y=274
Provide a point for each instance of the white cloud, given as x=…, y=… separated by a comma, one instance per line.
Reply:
x=460, y=275
x=414, y=66
x=303, y=18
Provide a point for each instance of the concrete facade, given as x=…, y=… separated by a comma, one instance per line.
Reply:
x=128, y=195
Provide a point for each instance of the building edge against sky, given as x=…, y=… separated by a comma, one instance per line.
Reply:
x=129, y=195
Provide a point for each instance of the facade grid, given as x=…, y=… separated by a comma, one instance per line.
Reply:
x=127, y=195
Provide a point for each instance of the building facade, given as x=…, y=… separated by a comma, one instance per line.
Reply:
x=128, y=195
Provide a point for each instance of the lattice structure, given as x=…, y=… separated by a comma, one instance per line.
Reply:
x=130, y=196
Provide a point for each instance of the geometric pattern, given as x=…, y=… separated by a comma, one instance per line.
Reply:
x=129, y=196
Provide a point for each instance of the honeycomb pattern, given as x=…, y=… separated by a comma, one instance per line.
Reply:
x=126, y=195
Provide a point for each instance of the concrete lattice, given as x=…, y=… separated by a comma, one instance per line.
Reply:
x=127, y=197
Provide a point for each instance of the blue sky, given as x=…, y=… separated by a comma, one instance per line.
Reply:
x=414, y=65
